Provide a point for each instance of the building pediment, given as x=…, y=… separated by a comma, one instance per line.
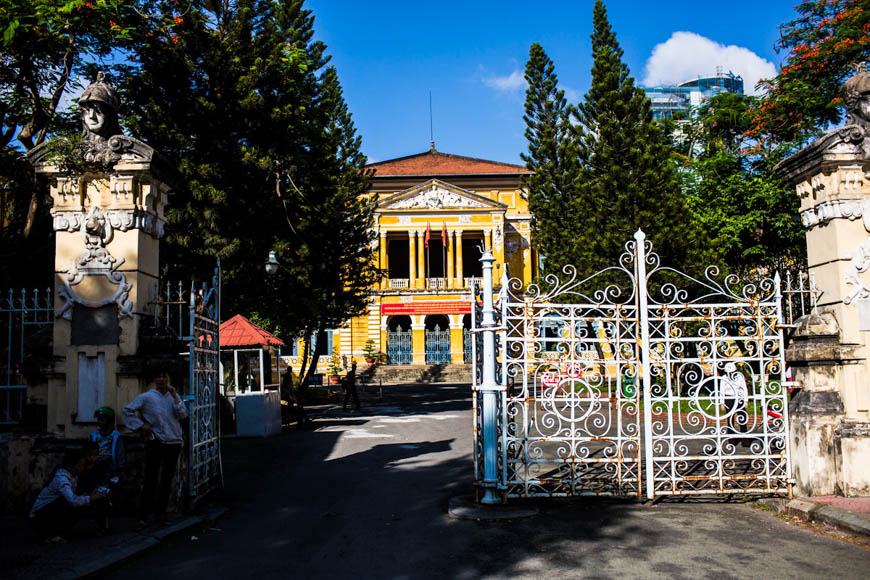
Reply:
x=437, y=194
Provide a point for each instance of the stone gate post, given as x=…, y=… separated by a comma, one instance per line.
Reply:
x=830, y=350
x=108, y=202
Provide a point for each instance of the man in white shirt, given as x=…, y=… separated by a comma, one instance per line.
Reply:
x=156, y=413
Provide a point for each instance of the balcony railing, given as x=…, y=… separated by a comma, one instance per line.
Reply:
x=433, y=283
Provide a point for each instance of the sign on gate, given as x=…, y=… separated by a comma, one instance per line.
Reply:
x=661, y=384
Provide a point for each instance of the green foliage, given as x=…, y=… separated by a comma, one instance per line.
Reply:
x=748, y=215
x=823, y=42
x=264, y=156
x=623, y=178
x=46, y=44
x=547, y=131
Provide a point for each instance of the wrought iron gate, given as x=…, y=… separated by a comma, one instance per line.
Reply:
x=193, y=313
x=399, y=350
x=466, y=346
x=205, y=455
x=437, y=346
x=639, y=381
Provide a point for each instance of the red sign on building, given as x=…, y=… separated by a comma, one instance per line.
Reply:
x=456, y=307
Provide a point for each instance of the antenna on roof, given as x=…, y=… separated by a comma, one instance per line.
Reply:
x=431, y=133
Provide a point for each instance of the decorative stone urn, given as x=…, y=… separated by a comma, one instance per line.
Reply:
x=108, y=202
x=830, y=350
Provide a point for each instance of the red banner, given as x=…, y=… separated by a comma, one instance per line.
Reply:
x=426, y=308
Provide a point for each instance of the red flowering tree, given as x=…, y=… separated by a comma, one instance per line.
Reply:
x=823, y=42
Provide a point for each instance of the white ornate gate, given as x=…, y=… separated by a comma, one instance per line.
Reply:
x=638, y=381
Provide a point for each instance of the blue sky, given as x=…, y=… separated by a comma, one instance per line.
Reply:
x=471, y=54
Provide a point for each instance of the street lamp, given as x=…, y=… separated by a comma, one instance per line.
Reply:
x=271, y=264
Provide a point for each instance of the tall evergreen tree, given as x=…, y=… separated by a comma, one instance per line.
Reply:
x=335, y=230
x=237, y=96
x=547, y=131
x=627, y=179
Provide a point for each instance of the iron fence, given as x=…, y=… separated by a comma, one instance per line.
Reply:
x=800, y=295
x=29, y=318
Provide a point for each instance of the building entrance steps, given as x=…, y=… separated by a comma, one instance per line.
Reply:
x=414, y=374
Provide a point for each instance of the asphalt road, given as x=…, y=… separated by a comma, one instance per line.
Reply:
x=365, y=496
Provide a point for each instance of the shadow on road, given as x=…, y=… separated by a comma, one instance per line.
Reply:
x=365, y=496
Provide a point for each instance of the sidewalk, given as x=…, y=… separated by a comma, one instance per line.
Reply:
x=847, y=513
x=24, y=557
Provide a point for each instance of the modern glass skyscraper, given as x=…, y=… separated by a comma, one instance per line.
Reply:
x=667, y=100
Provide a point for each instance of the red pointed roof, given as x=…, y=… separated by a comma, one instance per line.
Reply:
x=433, y=162
x=239, y=331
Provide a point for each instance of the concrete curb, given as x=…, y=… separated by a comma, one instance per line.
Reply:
x=141, y=545
x=463, y=507
x=816, y=512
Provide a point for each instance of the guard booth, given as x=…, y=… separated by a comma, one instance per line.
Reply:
x=248, y=384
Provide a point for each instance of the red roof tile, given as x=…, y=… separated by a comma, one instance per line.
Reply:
x=436, y=163
x=239, y=331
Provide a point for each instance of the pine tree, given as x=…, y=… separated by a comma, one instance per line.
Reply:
x=237, y=97
x=627, y=178
x=336, y=255
x=547, y=132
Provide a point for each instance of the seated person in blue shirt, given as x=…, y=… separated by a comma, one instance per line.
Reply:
x=111, y=457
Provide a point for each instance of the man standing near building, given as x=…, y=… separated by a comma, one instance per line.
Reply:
x=350, y=387
x=156, y=413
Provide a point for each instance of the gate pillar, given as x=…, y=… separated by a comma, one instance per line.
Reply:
x=489, y=387
x=830, y=353
x=457, y=344
x=107, y=210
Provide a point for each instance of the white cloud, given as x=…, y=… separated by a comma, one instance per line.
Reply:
x=686, y=55
x=510, y=83
x=571, y=95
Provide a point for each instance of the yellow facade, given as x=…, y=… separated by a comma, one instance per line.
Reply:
x=463, y=204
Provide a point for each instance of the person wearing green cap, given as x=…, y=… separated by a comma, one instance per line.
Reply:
x=111, y=457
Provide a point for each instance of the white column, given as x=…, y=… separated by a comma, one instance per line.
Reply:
x=489, y=387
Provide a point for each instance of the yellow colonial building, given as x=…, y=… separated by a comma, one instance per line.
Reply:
x=435, y=212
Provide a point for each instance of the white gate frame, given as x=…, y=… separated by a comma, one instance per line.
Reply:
x=713, y=390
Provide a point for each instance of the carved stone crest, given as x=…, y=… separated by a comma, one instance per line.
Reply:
x=95, y=260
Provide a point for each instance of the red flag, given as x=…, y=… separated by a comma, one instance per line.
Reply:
x=426, y=241
x=444, y=235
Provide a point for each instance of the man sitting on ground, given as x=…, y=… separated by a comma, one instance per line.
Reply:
x=57, y=508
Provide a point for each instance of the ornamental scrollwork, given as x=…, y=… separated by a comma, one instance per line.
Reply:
x=96, y=231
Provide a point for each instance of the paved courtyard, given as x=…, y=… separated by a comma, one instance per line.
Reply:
x=365, y=495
